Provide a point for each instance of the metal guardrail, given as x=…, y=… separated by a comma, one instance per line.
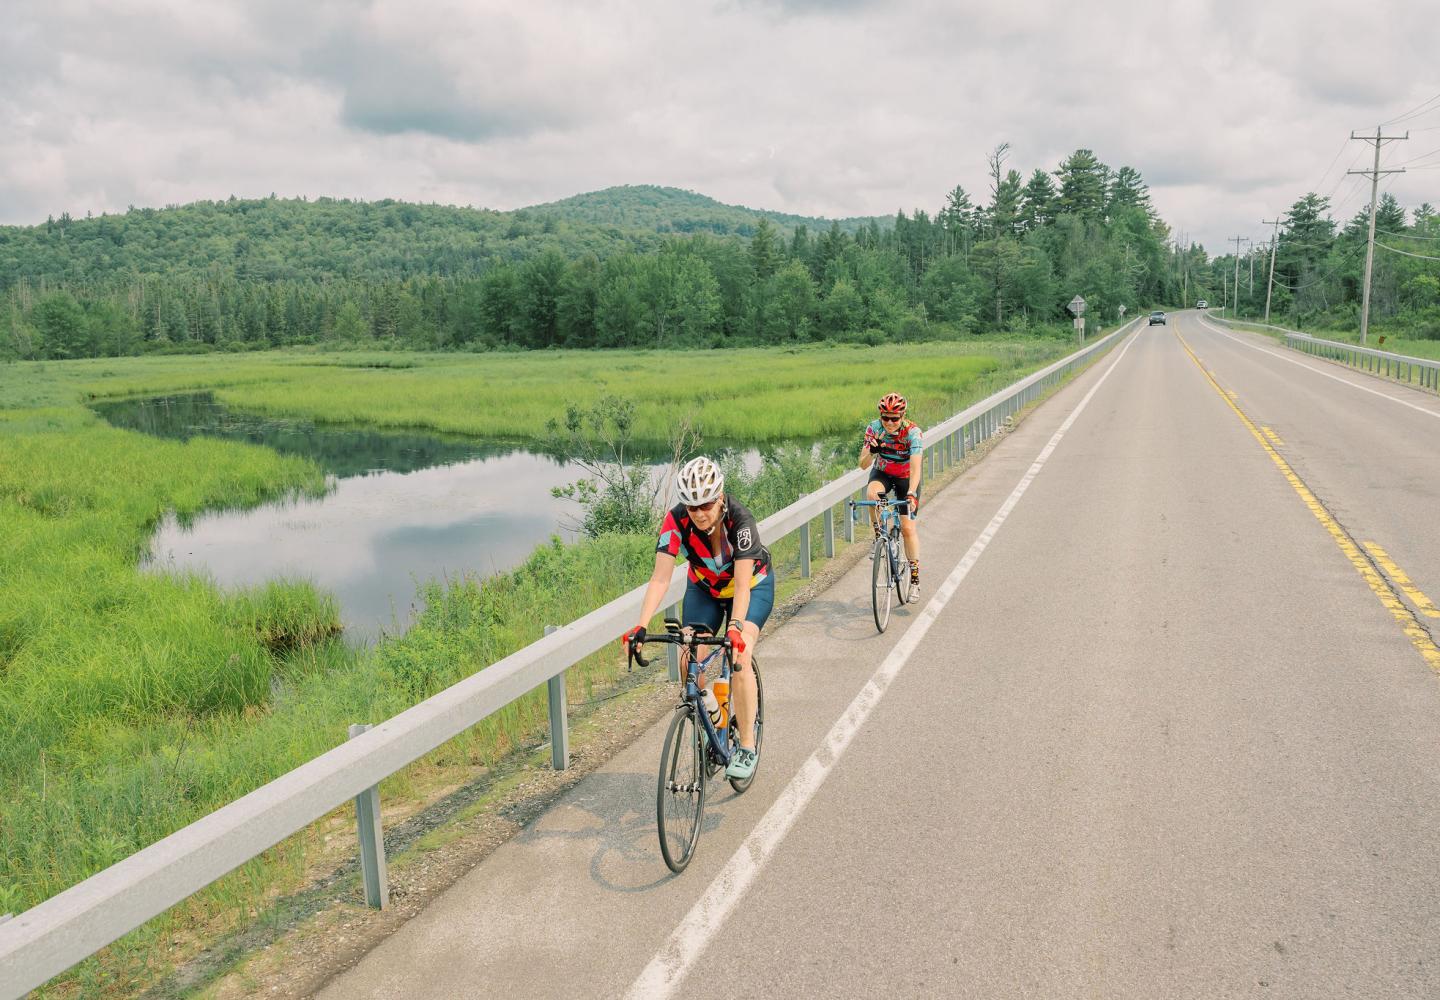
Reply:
x=1383, y=364
x=46, y=940
x=1396, y=367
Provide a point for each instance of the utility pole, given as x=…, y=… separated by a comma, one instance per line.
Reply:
x=1251, y=254
x=1237, y=240
x=1374, y=175
x=1270, y=286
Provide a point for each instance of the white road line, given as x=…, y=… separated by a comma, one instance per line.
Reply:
x=700, y=926
x=1309, y=368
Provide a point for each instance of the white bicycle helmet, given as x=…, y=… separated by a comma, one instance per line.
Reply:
x=700, y=481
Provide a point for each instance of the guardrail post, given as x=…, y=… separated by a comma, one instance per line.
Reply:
x=829, y=532
x=850, y=523
x=559, y=717
x=372, y=840
x=805, y=549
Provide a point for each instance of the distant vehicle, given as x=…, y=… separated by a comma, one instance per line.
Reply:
x=1157, y=317
x=1202, y=304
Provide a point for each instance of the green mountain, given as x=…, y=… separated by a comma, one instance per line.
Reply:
x=292, y=239
x=672, y=210
x=296, y=239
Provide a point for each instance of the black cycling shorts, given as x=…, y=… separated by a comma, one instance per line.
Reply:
x=897, y=486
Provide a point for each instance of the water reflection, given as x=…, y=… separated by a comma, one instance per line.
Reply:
x=403, y=508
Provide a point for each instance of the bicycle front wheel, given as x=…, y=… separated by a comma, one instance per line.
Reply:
x=880, y=589
x=680, y=791
x=899, y=569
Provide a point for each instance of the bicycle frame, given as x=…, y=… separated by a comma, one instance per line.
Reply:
x=889, y=511
x=677, y=635
x=692, y=695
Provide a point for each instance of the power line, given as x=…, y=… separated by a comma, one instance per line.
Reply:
x=1324, y=277
x=1338, y=153
x=1420, y=157
x=1406, y=236
x=1406, y=253
x=1413, y=112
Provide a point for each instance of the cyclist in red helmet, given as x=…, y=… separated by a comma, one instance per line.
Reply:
x=893, y=446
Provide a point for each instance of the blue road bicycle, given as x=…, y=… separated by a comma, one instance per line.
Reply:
x=889, y=570
x=697, y=745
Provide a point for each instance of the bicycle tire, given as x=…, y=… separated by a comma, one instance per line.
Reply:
x=898, y=569
x=680, y=789
x=740, y=784
x=880, y=575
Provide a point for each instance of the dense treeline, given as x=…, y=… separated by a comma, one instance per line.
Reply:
x=1320, y=270
x=267, y=273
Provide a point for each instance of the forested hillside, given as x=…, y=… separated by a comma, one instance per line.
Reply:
x=1320, y=269
x=671, y=210
x=244, y=274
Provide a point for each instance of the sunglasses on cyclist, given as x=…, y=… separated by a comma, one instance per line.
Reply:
x=891, y=420
x=703, y=507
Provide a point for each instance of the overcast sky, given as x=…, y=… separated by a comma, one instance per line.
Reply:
x=1229, y=109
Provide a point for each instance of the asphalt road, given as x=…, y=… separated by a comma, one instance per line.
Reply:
x=1152, y=732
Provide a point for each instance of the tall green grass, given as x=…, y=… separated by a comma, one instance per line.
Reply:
x=134, y=703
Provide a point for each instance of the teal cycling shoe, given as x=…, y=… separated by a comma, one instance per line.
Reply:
x=742, y=765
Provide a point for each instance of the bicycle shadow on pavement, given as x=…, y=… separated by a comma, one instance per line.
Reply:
x=849, y=621
x=615, y=812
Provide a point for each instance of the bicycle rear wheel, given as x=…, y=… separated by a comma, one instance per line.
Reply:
x=880, y=576
x=740, y=784
x=680, y=791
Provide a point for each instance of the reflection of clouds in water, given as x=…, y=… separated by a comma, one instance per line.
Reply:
x=375, y=535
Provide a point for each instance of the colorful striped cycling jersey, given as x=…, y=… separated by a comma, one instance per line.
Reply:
x=715, y=571
x=893, y=458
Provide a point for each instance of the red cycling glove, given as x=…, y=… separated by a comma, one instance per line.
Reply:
x=636, y=634
x=737, y=641
x=914, y=501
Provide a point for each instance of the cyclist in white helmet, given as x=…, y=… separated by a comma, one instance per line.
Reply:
x=729, y=573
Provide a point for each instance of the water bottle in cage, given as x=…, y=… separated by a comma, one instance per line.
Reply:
x=722, y=699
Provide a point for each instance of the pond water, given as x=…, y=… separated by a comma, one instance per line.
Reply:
x=403, y=507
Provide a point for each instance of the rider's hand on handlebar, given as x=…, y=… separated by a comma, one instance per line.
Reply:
x=914, y=501
x=737, y=640
x=632, y=638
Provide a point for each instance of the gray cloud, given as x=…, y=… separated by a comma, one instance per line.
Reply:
x=1230, y=110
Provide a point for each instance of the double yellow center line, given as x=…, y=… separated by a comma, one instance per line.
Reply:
x=1403, y=616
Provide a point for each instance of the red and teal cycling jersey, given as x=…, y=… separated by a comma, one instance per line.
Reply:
x=897, y=448
x=715, y=571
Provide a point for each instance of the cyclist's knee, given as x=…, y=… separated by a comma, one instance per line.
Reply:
x=874, y=490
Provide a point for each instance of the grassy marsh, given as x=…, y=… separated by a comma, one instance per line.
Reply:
x=138, y=702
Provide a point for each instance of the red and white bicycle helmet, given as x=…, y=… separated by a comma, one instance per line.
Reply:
x=699, y=481
x=892, y=404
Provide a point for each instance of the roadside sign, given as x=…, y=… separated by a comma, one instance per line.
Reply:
x=1077, y=306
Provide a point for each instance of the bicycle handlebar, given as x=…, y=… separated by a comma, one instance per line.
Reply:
x=694, y=641
x=854, y=504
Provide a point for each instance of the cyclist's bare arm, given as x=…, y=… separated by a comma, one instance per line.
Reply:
x=655, y=589
x=740, y=604
x=866, y=456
